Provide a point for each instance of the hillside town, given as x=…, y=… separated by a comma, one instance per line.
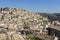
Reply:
x=19, y=24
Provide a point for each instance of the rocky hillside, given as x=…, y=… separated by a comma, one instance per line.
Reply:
x=13, y=20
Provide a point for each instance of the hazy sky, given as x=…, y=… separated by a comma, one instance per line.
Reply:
x=33, y=5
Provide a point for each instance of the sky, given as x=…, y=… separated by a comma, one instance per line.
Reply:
x=49, y=6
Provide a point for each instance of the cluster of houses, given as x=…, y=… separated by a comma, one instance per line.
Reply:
x=16, y=23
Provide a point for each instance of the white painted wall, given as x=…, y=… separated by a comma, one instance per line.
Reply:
x=56, y=38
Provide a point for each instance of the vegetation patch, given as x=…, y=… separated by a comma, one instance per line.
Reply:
x=30, y=36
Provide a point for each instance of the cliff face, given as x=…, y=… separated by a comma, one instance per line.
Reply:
x=13, y=20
